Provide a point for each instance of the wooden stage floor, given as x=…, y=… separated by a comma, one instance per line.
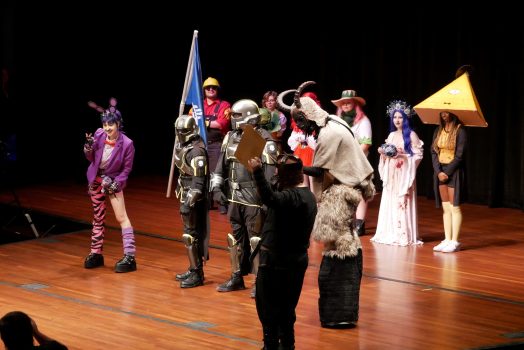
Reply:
x=411, y=297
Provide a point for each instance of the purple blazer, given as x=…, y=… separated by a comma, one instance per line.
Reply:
x=120, y=163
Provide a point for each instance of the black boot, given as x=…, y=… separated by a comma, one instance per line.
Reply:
x=126, y=264
x=236, y=282
x=94, y=260
x=360, y=227
x=195, y=279
x=183, y=276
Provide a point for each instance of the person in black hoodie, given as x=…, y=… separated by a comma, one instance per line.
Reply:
x=283, y=249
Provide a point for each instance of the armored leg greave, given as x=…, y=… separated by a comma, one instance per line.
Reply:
x=195, y=261
x=195, y=277
x=236, y=282
x=235, y=253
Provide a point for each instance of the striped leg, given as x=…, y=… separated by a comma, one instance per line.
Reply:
x=98, y=200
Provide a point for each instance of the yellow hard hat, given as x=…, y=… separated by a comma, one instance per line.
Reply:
x=210, y=82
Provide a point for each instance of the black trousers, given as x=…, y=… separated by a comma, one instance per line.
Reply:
x=278, y=292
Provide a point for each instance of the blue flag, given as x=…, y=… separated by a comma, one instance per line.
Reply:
x=194, y=95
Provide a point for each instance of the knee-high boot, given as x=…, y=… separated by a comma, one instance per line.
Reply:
x=456, y=220
x=447, y=219
x=448, y=228
x=456, y=216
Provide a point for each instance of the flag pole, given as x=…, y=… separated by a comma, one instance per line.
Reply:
x=189, y=73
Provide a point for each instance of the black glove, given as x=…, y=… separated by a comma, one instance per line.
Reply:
x=114, y=187
x=219, y=197
x=88, y=145
x=109, y=186
x=184, y=209
x=106, y=182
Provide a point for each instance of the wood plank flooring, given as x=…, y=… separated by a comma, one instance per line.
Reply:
x=411, y=297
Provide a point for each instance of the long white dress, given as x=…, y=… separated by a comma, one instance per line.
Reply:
x=397, y=217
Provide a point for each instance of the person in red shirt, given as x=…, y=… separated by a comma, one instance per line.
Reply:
x=216, y=114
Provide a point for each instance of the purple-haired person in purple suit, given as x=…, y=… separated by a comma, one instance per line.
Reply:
x=110, y=153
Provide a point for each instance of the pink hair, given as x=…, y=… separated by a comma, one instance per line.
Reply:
x=358, y=110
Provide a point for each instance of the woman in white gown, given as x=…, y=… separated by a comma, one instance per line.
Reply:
x=397, y=218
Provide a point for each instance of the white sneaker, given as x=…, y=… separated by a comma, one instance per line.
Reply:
x=453, y=246
x=441, y=245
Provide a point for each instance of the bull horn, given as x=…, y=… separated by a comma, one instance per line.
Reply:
x=299, y=92
x=280, y=100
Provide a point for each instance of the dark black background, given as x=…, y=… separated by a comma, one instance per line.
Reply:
x=61, y=56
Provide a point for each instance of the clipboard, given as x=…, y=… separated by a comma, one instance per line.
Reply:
x=251, y=145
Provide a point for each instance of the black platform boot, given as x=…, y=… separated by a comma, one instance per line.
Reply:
x=94, y=260
x=126, y=264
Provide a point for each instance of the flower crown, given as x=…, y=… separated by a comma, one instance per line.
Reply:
x=398, y=105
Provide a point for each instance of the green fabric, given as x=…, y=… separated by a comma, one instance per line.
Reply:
x=365, y=140
x=265, y=117
x=269, y=121
x=349, y=117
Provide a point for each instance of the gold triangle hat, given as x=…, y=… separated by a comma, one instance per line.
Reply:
x=458, y=98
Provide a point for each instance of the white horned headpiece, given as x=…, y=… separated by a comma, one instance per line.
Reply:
x=303, y=107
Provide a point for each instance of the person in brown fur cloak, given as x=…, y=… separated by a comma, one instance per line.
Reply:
x=342, y=177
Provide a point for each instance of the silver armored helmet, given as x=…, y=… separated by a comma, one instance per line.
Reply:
x=186, y=128
x=244, y=112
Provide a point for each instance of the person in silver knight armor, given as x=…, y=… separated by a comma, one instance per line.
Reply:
x=191, y=160
x=245, y=209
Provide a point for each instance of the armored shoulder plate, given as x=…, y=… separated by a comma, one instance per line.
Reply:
x=225, y=141
x=270, y=153
x=199, y=166
x=231, y=146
